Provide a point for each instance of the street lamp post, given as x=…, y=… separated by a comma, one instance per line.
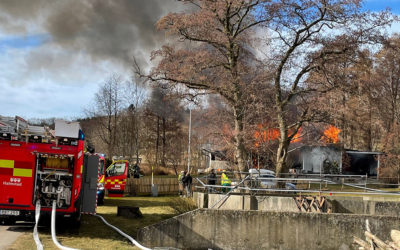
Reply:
x=190, y=128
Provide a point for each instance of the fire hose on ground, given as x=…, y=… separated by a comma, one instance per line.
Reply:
x=39, y=245
x=53, y=229
x=123, y=234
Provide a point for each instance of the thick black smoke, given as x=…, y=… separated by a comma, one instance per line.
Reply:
x=113, y=30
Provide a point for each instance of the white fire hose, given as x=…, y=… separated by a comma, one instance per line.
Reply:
x=39, y=245
x=53, y=229
x=123, y=234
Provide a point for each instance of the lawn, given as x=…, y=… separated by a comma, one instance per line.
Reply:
x=94, y=234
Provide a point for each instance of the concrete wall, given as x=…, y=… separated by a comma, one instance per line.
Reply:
x=232, y=202
x=365, y=205
x=201, y=199
x=247, y=202
x=276, y=203
x=351, y=205
x=227, y=229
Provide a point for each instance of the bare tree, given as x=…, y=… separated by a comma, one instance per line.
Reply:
x=163, y=121
x=302, y=37
x=217, y=59
x=387, y=79
x=135, y=96
x=108, y=106
x=305, y=37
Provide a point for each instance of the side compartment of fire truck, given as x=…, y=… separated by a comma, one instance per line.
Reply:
x=54, y=179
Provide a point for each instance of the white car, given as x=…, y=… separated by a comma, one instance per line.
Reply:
x=265, y=178
x=258, y=175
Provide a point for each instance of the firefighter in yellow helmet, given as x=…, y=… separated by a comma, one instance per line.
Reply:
x=180, y=178
x=225, y=181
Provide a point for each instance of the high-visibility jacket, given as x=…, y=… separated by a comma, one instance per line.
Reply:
x=225, y=180
x=180, y=176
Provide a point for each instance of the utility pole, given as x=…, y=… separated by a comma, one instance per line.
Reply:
x=190, y=128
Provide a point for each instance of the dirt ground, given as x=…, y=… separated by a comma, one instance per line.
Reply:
x=10, y=233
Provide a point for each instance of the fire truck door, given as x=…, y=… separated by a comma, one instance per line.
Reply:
x=89, y=183
x=115, y=180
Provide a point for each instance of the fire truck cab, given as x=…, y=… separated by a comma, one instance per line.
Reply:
x=116, y=176
x=40, y=165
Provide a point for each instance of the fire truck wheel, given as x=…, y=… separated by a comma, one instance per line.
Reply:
x=76, y=217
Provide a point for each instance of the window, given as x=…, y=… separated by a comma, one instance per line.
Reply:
x=116, y=169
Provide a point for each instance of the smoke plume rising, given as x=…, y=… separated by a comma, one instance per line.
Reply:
x=114, y=30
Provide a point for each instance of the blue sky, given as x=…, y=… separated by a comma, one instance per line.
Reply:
x=22, y=42
x=378, y=5
x=39, y=78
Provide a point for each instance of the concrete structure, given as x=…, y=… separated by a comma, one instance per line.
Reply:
x=365, y=205
x=276, y=203
x=220, y=201
x=247, y=202
x=227, y=229
x=201, y=199
x=351, y=205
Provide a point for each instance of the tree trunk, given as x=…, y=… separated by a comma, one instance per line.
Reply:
x=110, y=138
x=284, y=143
x=164, y=142
x=281, y=158
x=137, y=141
x=157, y=140
x=239, y=142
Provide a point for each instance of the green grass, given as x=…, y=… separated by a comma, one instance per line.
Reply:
x=94, y=234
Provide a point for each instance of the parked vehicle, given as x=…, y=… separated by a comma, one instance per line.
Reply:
x=265, y=178
x=257, y=176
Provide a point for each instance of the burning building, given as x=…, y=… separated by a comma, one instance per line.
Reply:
x=331, y=159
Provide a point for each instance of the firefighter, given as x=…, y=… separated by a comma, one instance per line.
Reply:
x=136, y=171
x=225, y=181
x=180, y=178
x=212, y=180
x=187, y=184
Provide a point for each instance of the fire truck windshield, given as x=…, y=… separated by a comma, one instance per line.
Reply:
x=116, y=169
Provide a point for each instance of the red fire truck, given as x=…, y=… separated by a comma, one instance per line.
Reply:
x=38, y=164
x=116, y=176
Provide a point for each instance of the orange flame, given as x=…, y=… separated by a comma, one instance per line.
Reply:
x=331, y=134
x=265, y=135
x=297, y=136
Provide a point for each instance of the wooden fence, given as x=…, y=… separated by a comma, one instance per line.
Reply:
x=166, y=185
